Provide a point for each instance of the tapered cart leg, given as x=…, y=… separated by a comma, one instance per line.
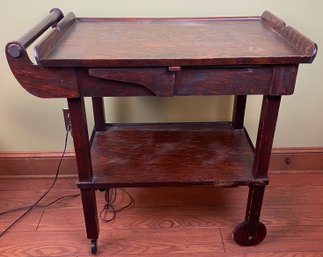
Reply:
x=251, y=231
x=84, y=167
x=90, y=216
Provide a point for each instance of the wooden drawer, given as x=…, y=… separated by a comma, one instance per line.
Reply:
x=223, y=81
x=132, y=81
x=181, y=81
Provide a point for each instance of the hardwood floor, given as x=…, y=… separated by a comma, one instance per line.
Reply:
x=175, y=222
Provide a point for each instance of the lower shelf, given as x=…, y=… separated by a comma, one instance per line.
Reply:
x=168, y=154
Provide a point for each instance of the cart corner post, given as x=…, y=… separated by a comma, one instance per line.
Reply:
x=84, y=167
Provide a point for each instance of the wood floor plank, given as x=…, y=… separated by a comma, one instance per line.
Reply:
x=293, y=215
x=283, y=215
x=141, y=218
x=295, y=195
x=175, y=197
x=43, y=244
x=168, y=221
x=179, y=218
x=25, y=184
x=28, y=223
x=296, y=179
x=274, y=244
x=116, y=243
x=315, y=232
x=195, y=196
x=285, y=254
x=140, y=242
x=15, y=199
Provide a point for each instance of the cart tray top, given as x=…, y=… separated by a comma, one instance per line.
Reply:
x=127, y=42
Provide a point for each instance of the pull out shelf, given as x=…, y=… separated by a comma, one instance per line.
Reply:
x=169, y=154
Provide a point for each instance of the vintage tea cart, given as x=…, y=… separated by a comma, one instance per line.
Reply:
x=166, y=57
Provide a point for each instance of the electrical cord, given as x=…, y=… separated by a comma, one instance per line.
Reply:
x=39, y=205
x=56, y=200
x=110, y=209
x=110, y=198
x=30, y=208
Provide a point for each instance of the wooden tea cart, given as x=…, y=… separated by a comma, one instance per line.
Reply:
x=166, y=57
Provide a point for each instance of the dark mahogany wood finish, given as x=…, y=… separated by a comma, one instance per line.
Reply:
x=165, y=57
x=131, y=155
x=238, y=112
x=98, y=113
x=265, y=137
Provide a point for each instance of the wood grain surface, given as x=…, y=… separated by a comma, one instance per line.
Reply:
x=179, y=222
x=205, y=153
x=42, y=82
x=169, y=42
x=210, y=80
x=43, y=164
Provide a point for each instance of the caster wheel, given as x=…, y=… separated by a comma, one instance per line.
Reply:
x=241, y=237
x=93, y=247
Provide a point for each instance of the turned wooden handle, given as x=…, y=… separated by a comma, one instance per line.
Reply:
x=14, y=49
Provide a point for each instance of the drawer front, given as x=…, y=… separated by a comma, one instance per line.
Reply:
x=222, y=81
x=181, y=81
x=127, y=81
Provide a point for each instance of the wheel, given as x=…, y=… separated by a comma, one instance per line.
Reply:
x=241, y=237
x=93, y=247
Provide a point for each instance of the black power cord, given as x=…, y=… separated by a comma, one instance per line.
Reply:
x=110, y=198
x=39, y=205
x=109, y=208
x=31, y=207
